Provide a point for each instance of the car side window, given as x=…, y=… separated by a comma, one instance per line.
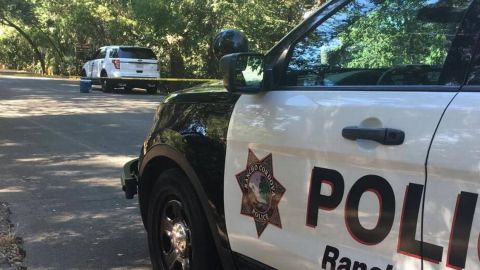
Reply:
x=473, y=77
x=102, y=54
x=114, y=53
x=371, y=42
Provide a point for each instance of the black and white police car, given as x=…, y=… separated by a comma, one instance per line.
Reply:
x=354, y=144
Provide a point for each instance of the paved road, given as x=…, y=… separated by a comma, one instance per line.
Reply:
x=60, y=157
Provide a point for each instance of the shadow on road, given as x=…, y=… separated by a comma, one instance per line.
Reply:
x=61, y=153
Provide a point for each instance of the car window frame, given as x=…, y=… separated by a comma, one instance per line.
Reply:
x=277, y=59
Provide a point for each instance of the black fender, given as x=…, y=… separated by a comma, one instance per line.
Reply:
x=167, y=157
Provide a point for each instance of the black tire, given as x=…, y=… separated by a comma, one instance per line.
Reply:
x=152, y=90
x=107, y=86
x=175, y=210
x=128, y=90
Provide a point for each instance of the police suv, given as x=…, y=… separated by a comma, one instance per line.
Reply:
x=353, y=144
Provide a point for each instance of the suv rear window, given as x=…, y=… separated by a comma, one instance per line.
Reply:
x=136, y=53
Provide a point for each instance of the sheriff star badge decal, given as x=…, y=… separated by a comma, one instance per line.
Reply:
x=261, y=192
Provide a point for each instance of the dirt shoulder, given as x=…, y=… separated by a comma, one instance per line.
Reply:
x=20, y=73
x=11, y=252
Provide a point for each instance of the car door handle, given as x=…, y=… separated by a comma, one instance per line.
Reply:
x=385, y=136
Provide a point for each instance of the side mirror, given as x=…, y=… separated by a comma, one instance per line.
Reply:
x=243, y=72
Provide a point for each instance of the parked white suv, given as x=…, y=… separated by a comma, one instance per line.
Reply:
x=123, y=66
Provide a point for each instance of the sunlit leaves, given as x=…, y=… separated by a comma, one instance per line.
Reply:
x=179, y=31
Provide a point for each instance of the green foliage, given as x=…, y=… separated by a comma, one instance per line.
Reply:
x=393, y=35
x=15, y=51
x=179, y=31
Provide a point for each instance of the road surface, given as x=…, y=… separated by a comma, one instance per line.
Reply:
x=61, y=152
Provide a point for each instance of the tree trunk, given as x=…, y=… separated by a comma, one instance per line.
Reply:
x=177, y=65
x=54, y=46
x=30, y=41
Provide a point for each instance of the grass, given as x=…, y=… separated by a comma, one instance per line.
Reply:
x=10, y=248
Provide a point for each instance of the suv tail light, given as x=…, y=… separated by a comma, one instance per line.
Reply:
x=116, y=63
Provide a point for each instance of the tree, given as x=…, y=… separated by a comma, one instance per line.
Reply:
x=12, y=11
x=179, y=31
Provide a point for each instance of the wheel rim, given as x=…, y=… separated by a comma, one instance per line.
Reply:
x=175, y=241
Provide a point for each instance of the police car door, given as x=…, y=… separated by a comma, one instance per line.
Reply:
x=452, y=214
x=327, y=171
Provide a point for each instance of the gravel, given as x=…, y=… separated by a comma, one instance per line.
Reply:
x=11, y=252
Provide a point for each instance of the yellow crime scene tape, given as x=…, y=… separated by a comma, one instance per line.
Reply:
x=155, y=79
x=21, y=73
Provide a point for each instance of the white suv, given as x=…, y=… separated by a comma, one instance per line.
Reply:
x=123, y=66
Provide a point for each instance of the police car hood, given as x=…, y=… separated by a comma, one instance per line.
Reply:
x=205, y=93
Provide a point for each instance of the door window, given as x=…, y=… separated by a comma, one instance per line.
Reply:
x=473, y=77
x=371, y=42
x=102, y=54
x=114, y=53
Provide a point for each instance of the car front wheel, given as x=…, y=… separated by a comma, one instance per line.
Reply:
x=178, y=233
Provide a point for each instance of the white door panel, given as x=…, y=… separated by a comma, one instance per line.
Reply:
x=303, y=130
x=453, y=168
x=95, y=68
x=89, y=68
